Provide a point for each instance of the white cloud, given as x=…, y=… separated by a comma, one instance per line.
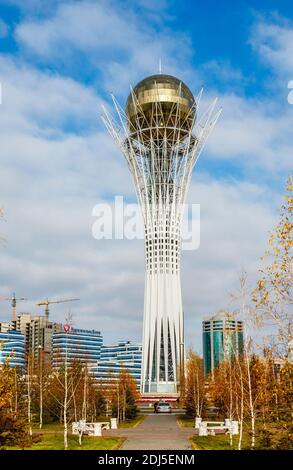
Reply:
x=219, y=70
x=236, y=218
x=50, y=181
x=45, y=100
x=57, y=163
x=254, y=132
x=273, y=41
x=113, y=39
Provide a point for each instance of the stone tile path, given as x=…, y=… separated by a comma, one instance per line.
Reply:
x=156, y=432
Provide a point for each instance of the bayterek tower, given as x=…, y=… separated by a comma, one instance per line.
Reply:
x=161, y=137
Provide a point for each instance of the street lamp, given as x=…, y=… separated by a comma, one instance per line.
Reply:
x=41, y=384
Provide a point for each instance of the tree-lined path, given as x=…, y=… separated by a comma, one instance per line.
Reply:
x=156, y=432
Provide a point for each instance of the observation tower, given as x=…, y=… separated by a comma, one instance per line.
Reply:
x=161, y=137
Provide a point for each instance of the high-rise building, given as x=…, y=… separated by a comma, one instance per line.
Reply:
x=222, y=338
x=77, y=344
x=115, y=358
x=12, y=347
x=161, y=139
x=6, y=326
x=38, y=331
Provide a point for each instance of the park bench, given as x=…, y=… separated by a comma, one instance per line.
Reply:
x=206, y=428
x=92, y=429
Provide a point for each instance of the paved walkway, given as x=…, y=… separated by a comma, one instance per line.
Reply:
x=156, y=432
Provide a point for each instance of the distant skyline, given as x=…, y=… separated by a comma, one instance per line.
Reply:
x=59, y=60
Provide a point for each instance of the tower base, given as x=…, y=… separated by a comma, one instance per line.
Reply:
x=165, y=388
x=149, y=398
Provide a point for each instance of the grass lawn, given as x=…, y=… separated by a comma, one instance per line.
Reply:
x=279, y=438
x=57, y=428
x=52, y=437
x=49, y=428
x=220, y=442
x=185, y=422
x=51, y=441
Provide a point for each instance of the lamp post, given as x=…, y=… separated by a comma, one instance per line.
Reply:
x=41, y=384
x=65, y=405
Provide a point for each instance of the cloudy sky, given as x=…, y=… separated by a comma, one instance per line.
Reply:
x=59, y=61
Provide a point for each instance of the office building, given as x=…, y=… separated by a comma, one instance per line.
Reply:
x=115, y=358
x=77, y=344
x=222, y=338
x=6, y=326
x=12, y=348
x=38, y=332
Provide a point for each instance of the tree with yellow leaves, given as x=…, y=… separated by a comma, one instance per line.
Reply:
x=12, y=428
x=273, y=294
x=194, y=385
x=124, y=395
x=6, y=386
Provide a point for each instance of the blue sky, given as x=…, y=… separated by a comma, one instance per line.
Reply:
x=59, y=60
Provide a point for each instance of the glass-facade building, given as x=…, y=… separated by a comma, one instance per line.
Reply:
x=77, y=344
x=115, y=358
x=222, y=338
x=12, y=348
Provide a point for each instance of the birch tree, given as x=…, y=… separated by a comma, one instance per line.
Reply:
x=273, y=294
x=29, y=380
x=194, y=385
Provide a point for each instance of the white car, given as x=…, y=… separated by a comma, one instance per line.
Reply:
x=163, y=407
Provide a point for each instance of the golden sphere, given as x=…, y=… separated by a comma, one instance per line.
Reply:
x=163, y=107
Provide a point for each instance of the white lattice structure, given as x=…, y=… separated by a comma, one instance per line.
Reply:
x=161, y=139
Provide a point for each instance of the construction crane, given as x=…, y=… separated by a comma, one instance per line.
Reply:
x=47, y=302
x=13, y=301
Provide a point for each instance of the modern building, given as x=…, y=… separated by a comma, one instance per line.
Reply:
x=222, y=338
x=6, y=326
x=161, y=139
x=12, y=348
x=38, y=332
x=77, y=344
x=115, y=358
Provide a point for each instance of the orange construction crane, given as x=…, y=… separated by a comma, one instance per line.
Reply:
x=47, y=302
x=14, y=301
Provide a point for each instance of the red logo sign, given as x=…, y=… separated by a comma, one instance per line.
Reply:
x=66, y=328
